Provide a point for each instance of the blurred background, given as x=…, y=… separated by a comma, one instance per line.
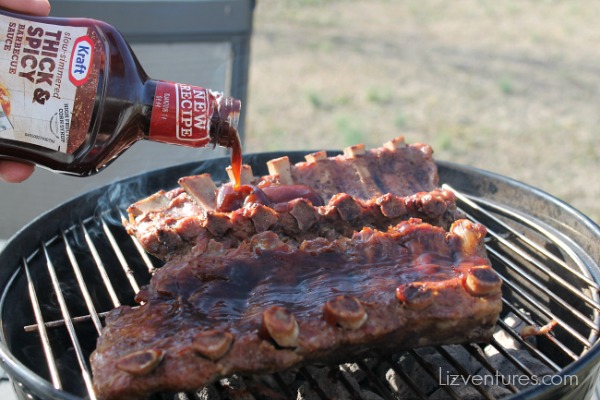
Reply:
x=511, y=87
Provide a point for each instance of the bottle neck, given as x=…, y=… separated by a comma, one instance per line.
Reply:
x=189, y=115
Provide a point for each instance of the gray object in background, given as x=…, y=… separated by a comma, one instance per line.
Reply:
x=200, y=42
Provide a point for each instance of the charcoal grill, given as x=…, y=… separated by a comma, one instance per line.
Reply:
x=64, y=271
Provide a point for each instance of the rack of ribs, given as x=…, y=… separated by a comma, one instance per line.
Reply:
x=322, y=261
x=326, y=197
x=270, y=304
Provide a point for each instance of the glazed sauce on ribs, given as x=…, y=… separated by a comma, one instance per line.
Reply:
x=283, y=194
x=299, y=281
x=232, y=197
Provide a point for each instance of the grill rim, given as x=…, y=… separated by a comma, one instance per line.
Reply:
x=473, y=181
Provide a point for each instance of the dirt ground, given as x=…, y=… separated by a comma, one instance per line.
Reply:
x=511, y=87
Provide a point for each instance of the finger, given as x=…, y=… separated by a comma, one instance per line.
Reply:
x=12, y=171
x=32, y=7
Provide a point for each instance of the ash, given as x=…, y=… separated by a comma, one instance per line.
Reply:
x=468, y=372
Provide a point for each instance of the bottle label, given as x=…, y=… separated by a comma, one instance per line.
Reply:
x=48, y=81
x=181, y=114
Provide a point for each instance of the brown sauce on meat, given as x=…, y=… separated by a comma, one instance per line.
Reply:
x=243, y=287
x=233, y=197
x=230, y=197
x=286, y=193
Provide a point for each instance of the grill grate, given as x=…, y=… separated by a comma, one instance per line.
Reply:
x=91, y=267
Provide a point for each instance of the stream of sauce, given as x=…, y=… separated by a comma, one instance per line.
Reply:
x=236, y=161
x=233, y=197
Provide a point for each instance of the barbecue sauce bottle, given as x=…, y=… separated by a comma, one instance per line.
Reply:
x=74, y=97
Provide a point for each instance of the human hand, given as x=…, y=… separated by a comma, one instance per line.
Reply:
x=12, y=171
x=31, y=7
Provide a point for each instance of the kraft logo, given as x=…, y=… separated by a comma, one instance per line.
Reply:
x=81, y=60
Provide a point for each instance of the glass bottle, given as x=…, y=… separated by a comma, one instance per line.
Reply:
x=74, y=97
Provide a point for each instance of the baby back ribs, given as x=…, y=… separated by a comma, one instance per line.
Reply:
x=328, y=197
x=269, y=305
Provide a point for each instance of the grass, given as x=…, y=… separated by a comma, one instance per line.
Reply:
x=512, y=87
x=350, y=130
x=506, y=86
x=379, y=96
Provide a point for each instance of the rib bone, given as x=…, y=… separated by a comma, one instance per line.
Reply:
x=202, y=189
x=141, y=362
x=212, y=344
x=482, y=281
x=313, y=157
x=155, y=202
x=471, y=234
x=246, y=177
x=369, y=185
x=356, y=150
x=281, y=326
x=345, y=311
x=282, y=167
x=395, y=143
x=415, y=295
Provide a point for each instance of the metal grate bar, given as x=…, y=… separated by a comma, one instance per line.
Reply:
x=143, y=253
x=517, y=250
x=461, y=370
x=551, y=237
x=535, y=352
x=82, y=286
x=59, y=322
x=529, y=321
x=427, y=367
x=573, y=290
x=39, y=319
x=543, y=289
x=476, y=352
x=540, y=249
x=120, y=256
x=405, y=378
x=284, y=388
x=100, y=266
x=85, y=373
x=545, y=311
